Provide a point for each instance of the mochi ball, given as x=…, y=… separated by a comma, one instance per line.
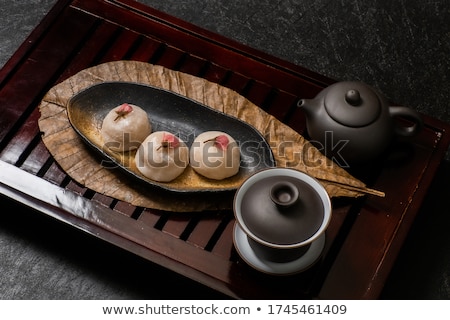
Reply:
x=125, y=127
x=215, y=155
x=162, y=156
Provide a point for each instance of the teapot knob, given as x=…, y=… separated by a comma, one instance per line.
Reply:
x=284, y=194
x=353, y=97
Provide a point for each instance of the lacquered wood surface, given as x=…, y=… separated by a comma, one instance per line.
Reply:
x=365, y=235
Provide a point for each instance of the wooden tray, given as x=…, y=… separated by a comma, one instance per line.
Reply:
x=365, y=234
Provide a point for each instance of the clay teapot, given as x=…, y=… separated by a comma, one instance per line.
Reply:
x=353, y=123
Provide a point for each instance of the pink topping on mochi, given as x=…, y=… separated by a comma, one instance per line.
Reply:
x=169, y=141
x=221, y=142
x=123, y=110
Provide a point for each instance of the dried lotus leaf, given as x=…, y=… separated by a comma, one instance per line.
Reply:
x=86, y=168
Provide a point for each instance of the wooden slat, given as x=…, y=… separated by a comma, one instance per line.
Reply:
x=28, y=131
x=26, y=149
x=281, y=106
x=170, y=57
x=125, y=208
x=177, y=224
x=41, y=66
x=193, y=65
x=236, y=82
x=339, y=224
x=120, y=48
x=91, y=52
x=206, y=228
x=75, y=187
x=150, y=217
x=259, y=93
x=297, y=121
x=146, y=50
x=55, y=174
x=224, y=246
x=37, y=158
x=215, y=73
x=105, y=200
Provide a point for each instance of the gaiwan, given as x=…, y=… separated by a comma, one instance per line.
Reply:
x=281, y=218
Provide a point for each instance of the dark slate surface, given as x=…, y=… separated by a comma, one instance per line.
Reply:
x=400, y=47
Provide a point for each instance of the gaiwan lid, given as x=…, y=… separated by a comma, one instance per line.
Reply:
x=282, y=208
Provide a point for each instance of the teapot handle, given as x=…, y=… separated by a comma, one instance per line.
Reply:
x=410, y=114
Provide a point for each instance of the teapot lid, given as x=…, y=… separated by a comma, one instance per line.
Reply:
x=281, y=210
x=352, y=103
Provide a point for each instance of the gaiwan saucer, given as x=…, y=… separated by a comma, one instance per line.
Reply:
x=261, y=264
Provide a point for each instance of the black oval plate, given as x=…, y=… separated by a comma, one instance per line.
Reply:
x=170, y=112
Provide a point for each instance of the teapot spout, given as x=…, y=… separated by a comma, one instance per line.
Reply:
x=309, y=105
